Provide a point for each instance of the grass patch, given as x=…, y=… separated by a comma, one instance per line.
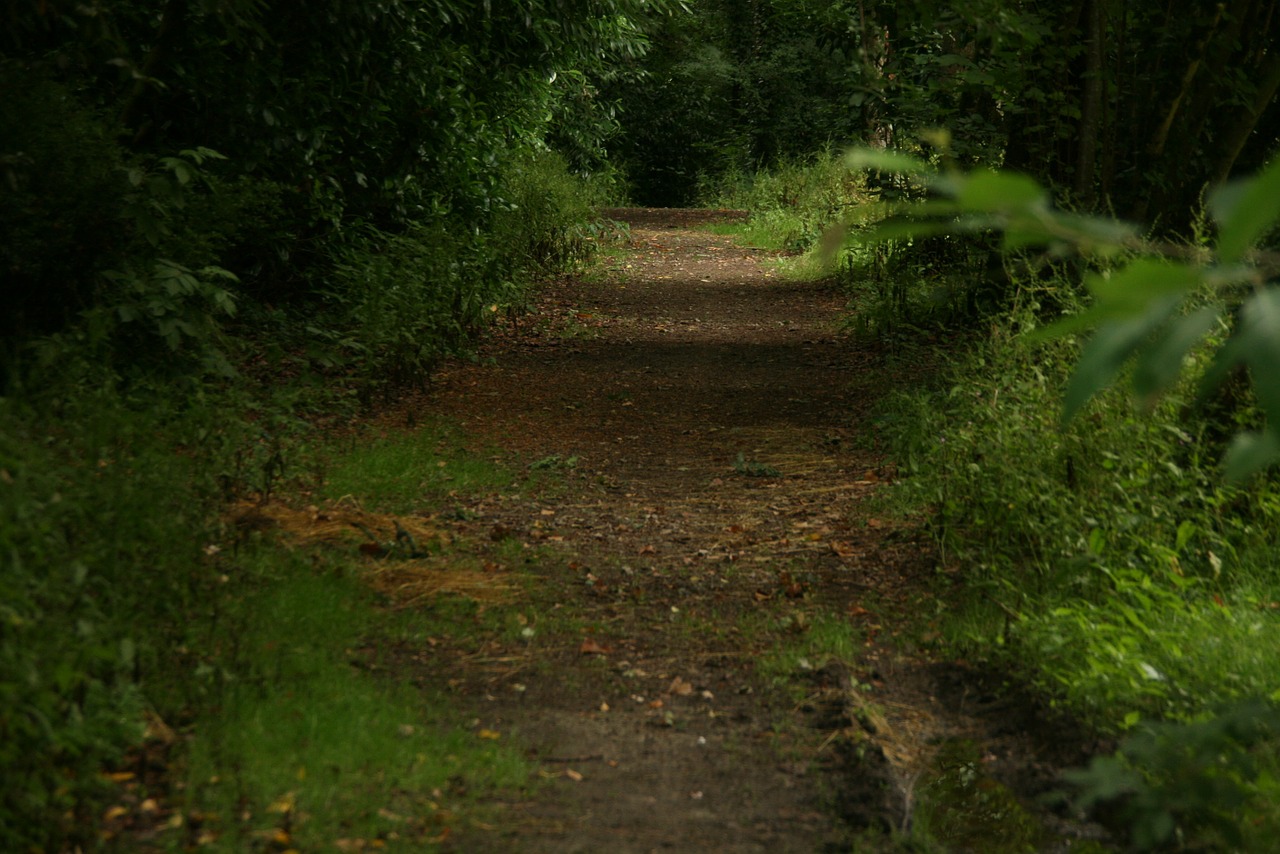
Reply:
x=806, y=644
x=304, y=748
x=404, y=471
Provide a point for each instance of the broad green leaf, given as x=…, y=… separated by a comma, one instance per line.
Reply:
x=884, y=160
x=985, y=190
x=1246, y=211
x=1143, y=282
x=1126, y=293
x=1107, y=351
x=1026, y=231
x=1092, y=233
x=1186, y=530
x=933, y=208
x=1250, y=453
x=1260, y=320
x=1160, y=363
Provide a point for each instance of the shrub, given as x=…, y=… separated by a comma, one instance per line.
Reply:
x=791, y=203
x=101, y=530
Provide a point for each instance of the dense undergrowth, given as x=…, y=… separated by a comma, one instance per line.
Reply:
x=1107, y=562
x=132, y=605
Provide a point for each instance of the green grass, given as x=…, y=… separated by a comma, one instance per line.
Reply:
x=807, y=643
x=302, y=740
x=402, y=472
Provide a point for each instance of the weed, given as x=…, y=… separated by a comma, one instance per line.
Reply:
x=791, y=204
x=555, y=461
x=1206, y=778
x=751, y=468
x=401, y=472
x=808, y=644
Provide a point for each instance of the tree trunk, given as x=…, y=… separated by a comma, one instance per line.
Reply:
x=1237, y=134
x=1156, y=146
x=1090, y=107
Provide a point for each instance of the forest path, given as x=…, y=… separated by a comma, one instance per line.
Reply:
x=707, y=417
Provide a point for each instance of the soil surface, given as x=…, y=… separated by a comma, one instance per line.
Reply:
x=709, y=416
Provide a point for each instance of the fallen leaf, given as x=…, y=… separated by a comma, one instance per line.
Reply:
x=115, y=812
x=489, y=734
x=573, y=775
x=679, y=687
x=284, y=804
x=590, y=647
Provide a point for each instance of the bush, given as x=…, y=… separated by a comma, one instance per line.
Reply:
x=101, y=531
x=545, y=216
x=791, y=203
x=1127, y=579
x=400, y=302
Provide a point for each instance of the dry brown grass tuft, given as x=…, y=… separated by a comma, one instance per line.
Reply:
x=405, y=556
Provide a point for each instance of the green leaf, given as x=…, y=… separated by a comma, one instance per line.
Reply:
x=1092, y=233
x=986, y=190
x=1160, y=363
x=1250, y=453
x=1245, y=211
x=899, y=230
x=1260, y=324
x=1107, y=351
x=1146, y=280
x=1143, y=285
x=884, y=160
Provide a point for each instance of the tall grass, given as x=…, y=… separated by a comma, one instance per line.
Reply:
x=1108, y=565
x=791, y=203
x=1101, y=537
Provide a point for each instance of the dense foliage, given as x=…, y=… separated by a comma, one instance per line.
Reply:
x=217, y=215
x=267, y=140
x=1132, y=106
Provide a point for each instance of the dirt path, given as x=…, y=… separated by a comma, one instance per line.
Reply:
x=707, y=415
